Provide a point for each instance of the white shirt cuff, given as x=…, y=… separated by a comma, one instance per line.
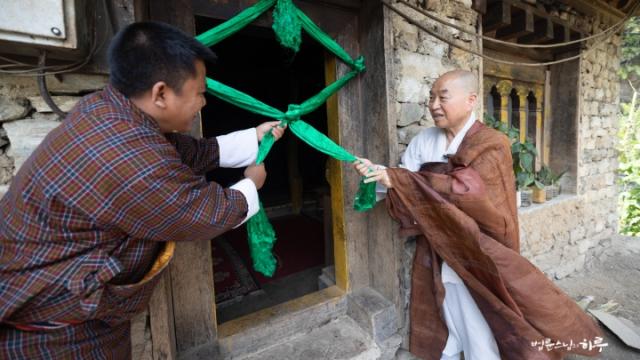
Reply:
x=248, y=189
x=238, y=149
x=381, y=192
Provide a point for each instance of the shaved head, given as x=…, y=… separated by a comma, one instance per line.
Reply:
x=463, y=78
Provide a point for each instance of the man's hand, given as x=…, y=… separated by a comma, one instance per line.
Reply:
x=270, y=126
x=257, y=174
x=373, y=172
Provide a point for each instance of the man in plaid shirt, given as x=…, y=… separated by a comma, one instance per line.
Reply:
x=88, y=224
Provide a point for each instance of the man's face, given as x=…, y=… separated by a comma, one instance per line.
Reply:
x=182, y=108
x=450, y=104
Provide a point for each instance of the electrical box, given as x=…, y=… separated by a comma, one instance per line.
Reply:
x=48, y=23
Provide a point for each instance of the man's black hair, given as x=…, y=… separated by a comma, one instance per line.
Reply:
x=144, y=53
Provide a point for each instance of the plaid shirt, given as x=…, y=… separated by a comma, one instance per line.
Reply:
x=88, y=212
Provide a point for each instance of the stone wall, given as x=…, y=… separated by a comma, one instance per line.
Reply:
x=419, y=58
x=561, y=236
x=25, y=119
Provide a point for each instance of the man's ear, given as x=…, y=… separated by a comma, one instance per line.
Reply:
x=158, y=94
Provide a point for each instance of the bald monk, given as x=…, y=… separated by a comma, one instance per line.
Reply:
x=472, y=292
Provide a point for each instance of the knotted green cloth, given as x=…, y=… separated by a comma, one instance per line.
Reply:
x=288, y=21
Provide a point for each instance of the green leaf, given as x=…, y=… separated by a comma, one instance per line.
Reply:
x=526, y=161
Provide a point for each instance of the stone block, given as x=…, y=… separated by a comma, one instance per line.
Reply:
x=405, y=34
x=389, y=347
x=407, y=133
x=25, y=135
x=65, y=103
x=461, y=11
x=410, y=90
x=6, y=174
x=429, y=45
x=410, y=113
x=374, y=313
x=13, y=108
x=419, y=66
x=73, y=84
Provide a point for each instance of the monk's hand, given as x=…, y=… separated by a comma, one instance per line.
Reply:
x=372, y=172
x=274, y=127
x=380, y=175
x=363, y=166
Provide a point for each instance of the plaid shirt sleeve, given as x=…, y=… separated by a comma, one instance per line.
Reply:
x=201, y=155
x=235, y=150
x=141, y=185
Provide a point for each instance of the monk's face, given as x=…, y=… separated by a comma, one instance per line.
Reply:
x=450, y=102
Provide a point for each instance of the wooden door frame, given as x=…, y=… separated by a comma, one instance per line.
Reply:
x=181, y=321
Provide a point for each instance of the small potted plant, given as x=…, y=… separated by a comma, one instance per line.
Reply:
x=539, y=192
x=524, y=193
x=545, y=177
x=523, y=154
x=555, y=182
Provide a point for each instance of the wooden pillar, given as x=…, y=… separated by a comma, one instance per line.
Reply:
x=522, y=110
x=546, y=118
x=189, y=282
x=504, y=89
x=539, y=124
x=487, y=84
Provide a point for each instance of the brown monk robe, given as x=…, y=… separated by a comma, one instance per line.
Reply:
x=465, y=213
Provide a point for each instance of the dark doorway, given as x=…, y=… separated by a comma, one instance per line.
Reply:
x=296, y=193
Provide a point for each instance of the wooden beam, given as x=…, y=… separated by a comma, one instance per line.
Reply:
x=480, y=6
x=521, y=24
x=594, y=7
x=540, y=55
x=543, y=32
x=161, y=317
x=224, y=9
x=498, y=15
x=561, y=33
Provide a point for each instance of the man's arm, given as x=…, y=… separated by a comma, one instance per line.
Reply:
x=149, y=193
x=234, y=150
x=237, y=149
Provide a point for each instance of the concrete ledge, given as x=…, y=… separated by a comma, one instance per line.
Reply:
x=556, y=201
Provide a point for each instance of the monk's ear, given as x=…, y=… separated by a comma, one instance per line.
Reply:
x=472, y=100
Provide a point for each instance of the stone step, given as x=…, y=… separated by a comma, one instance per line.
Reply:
x=340, y=339
x=324, y=325
x=262, y=330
